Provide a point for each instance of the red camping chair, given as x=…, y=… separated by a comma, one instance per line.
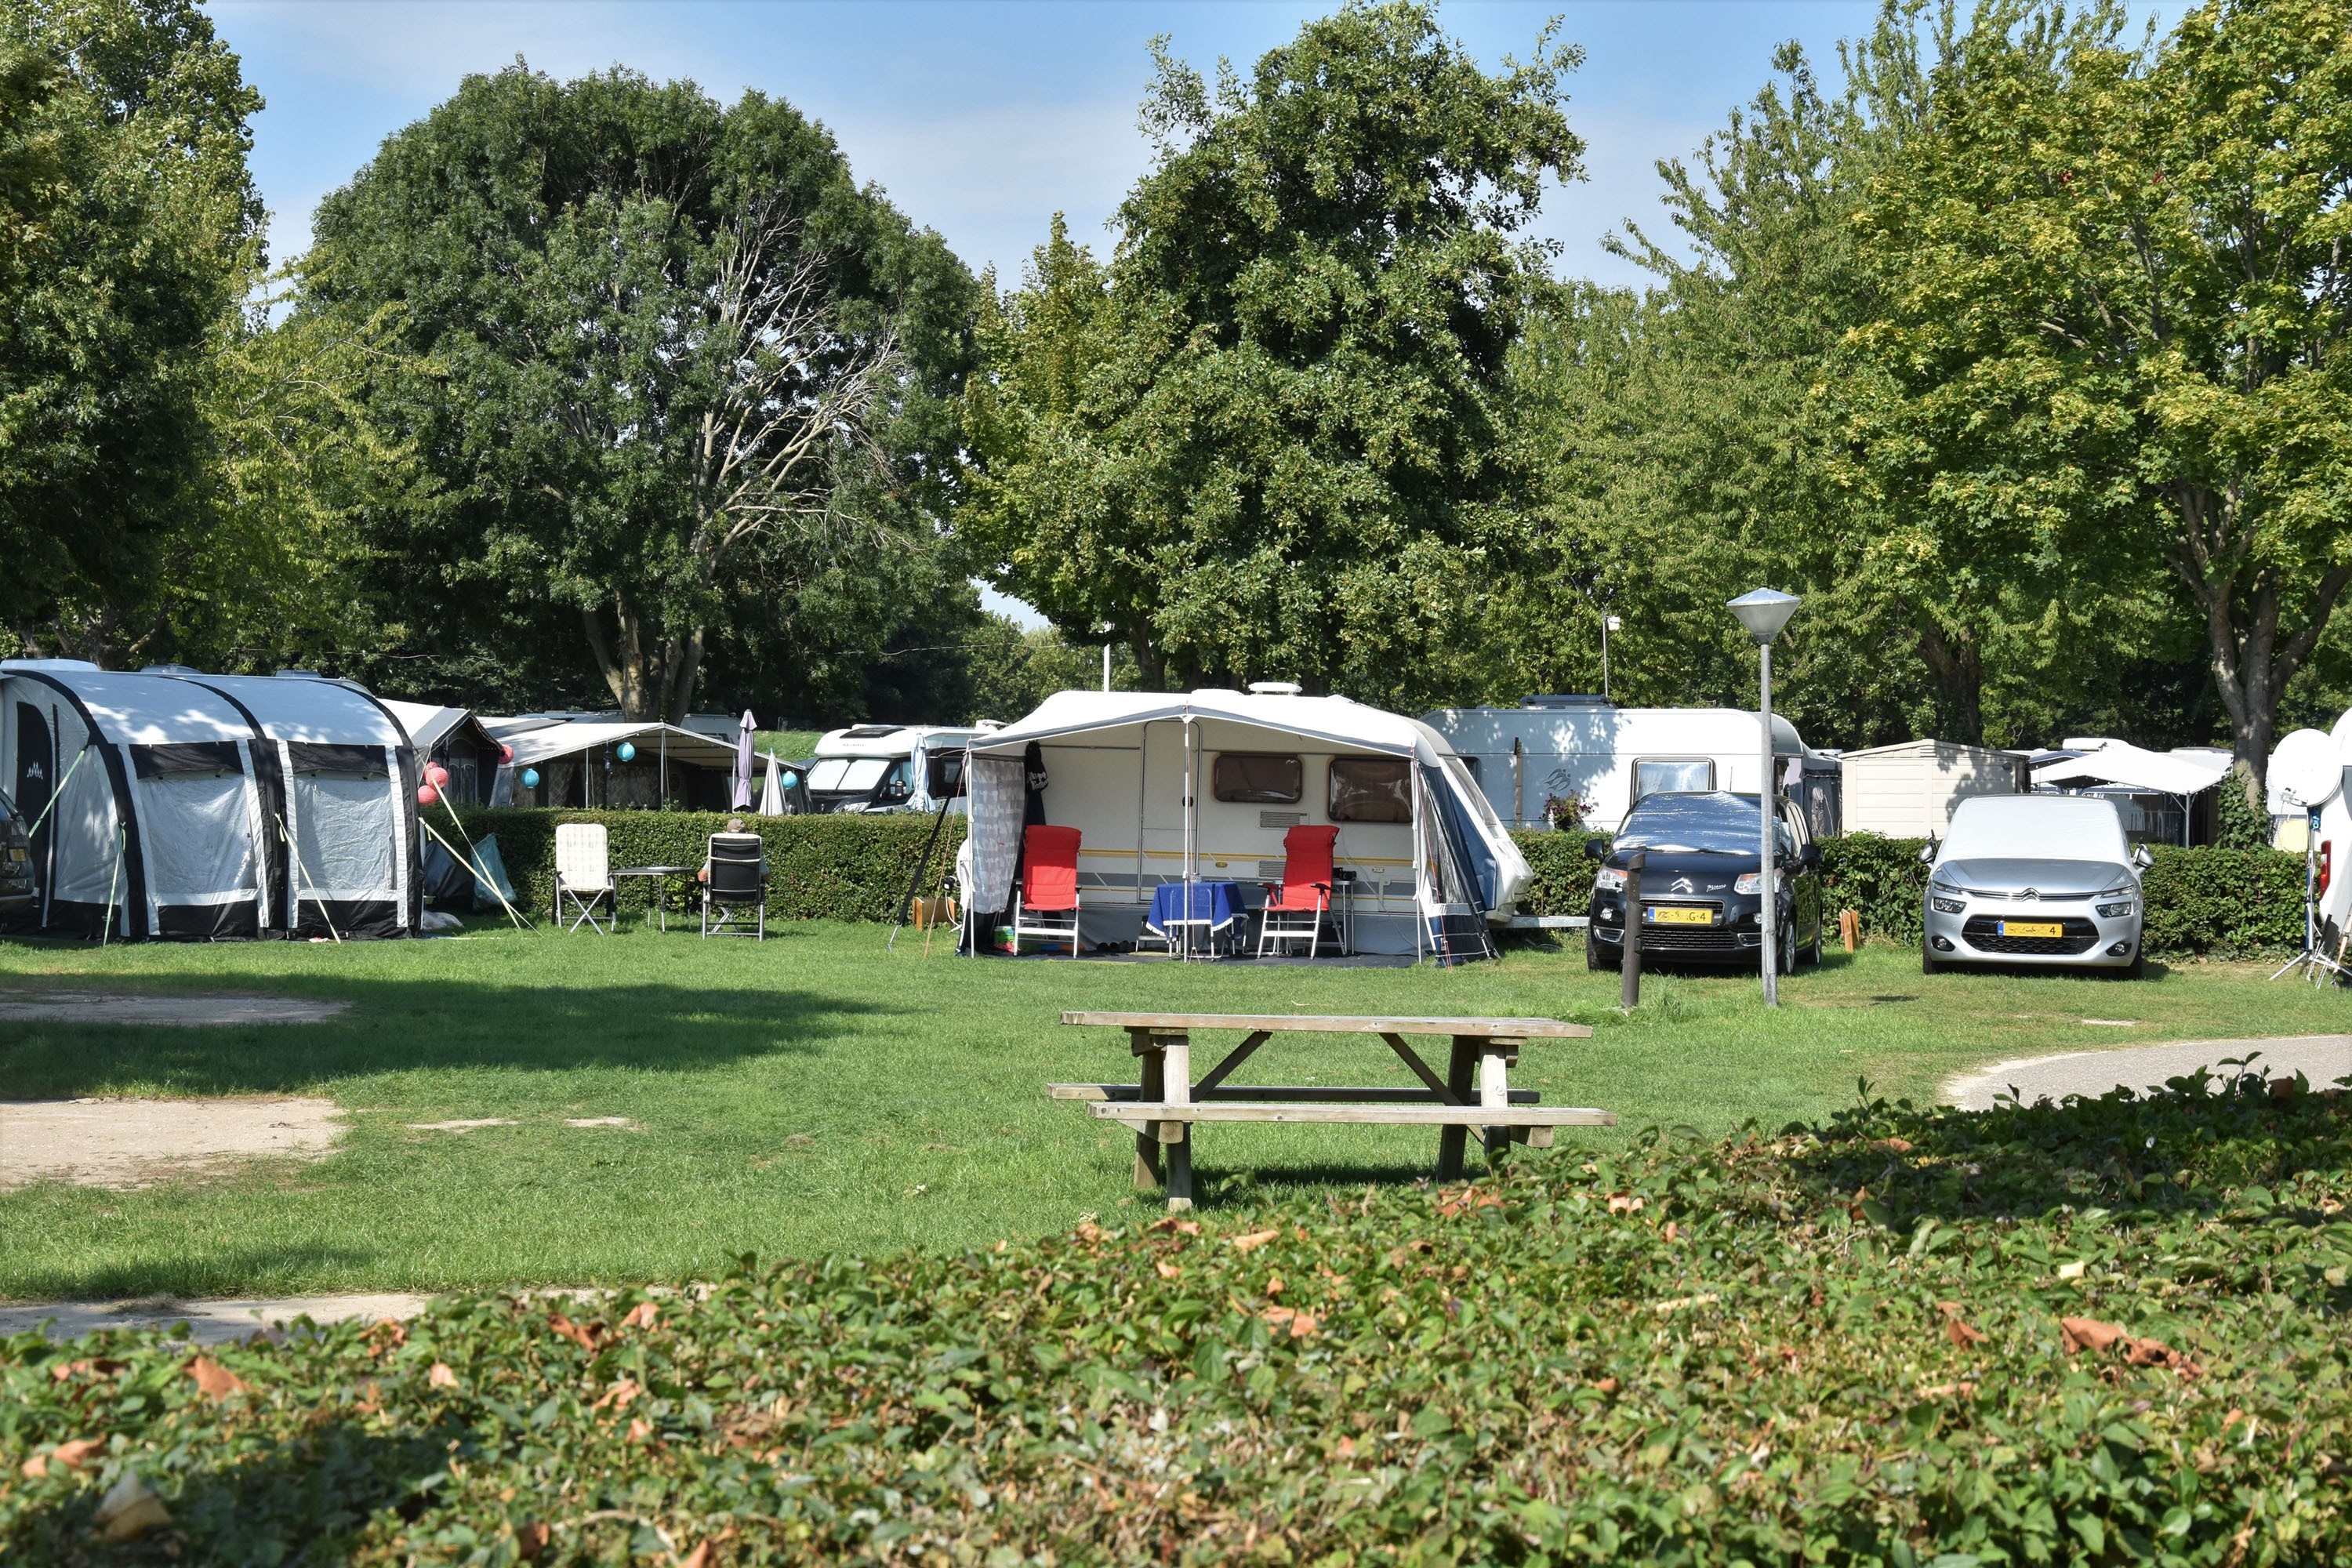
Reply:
x=1047, y=903
x=1296, y=910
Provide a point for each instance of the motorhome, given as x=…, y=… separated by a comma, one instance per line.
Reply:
x=1586, y=750
x=869, y=768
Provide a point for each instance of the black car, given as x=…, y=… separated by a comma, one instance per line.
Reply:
x=16, y=861
x=1700, y=884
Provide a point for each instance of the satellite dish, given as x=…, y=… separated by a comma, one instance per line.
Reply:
x=2305, y=770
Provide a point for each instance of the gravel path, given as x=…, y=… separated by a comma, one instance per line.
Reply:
x=125, y=1143
x=2321, y=1058
x=209, y=1322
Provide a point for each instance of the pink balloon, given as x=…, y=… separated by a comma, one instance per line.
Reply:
x=427, y=794
x=506, y=753
x=438, y=776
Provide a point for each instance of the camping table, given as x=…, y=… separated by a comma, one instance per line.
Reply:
x=1210, y=908
x=659, y=876
x=1164, y=1106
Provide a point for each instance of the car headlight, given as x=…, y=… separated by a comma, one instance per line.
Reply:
x=1949, y=905
x=1943, y=887
x=1748, y=882
x=2110, y=911
x=1610, y=881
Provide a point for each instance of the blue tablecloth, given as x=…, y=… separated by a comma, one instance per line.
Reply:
x=1215, y=904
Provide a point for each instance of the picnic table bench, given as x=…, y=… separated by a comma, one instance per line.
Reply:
x=1164, y=1107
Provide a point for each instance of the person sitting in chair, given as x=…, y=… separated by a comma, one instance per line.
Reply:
x=734, y=825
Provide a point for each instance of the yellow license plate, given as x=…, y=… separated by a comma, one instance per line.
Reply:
x=2032, y=928
x=1667, y=915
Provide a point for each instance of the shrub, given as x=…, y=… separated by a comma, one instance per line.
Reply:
x=1563, y=875
x=1880, y=876
x=2109, y=1332
x=835, y=868
x=2225, y=903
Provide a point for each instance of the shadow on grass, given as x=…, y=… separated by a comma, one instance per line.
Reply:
x=404, y=1026
x=182, y=1277
x=2201, y=1144
x=301, y=1501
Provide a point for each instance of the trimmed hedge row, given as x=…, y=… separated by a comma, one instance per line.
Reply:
x=2106, y=1332
x=2223, y=903
x=820, y=868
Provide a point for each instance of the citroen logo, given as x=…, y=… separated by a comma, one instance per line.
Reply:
x=1683, y=885
x=2030, y=895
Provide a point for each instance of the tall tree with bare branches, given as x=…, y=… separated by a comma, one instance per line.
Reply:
x=673, y=392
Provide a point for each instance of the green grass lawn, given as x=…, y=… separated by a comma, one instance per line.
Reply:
x=815, y=1094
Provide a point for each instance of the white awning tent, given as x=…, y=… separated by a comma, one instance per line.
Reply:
x=668, y=758
x=2097, y=762
x=176, y=805
x=1138, y=774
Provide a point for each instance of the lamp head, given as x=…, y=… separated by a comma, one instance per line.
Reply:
x=1765, y=612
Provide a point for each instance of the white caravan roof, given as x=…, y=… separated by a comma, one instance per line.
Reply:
x=1333, y=718
x=890, y=740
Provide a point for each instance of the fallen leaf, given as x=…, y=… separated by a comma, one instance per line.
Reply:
x=1467, y=1201
x=1941, y=1390
x=1181, y=1226
x=130, y=1509
x=1303, y=1324
x=641, y=1316
x=441, y=1376
x=386, y=1334
x=1255, y=1241
x=531, y=1540
x=1167, y=1269
x=71, y=1453
x=1896, y=1145
x=2087, y=1333
x=618, y=1396
x=697, y=1558
x=1670, y=1232
x=1273, y=1285
x=640, y=1429
x=1624, y=1203
x=1962, y=1334
x=585, y=1338
x=2072, y=1270
x=213, y=1379
x=1607, y=1385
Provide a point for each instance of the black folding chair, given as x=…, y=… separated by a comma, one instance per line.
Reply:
x=737, y=880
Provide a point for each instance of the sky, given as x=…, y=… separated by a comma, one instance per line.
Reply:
x=984, y=118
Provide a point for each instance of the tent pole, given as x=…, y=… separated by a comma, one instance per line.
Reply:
x=665, y=767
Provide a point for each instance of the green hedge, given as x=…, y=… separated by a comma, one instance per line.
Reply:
x=2225, y=903
x=1563, y=874
x=835, y=868
x=1880, y=876
x=2101, y=1334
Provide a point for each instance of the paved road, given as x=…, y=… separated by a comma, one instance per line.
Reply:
x=2321, y=1058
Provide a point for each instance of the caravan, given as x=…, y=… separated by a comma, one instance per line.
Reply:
x=1205, y=787
x=1585, y=750
x=869, y=768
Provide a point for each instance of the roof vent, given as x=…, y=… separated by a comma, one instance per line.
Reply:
x=1567, y=700
x=297, y=675
x=1275, y=687
x=870, y=731
x=169, y=669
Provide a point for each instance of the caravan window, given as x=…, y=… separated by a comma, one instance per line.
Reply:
x=312, y=759
x=1371, y=789
x=943, y=774
x=1673, y=776
x=1257, y=778
x=191, y=759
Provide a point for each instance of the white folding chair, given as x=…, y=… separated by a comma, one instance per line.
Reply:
x=583, y=876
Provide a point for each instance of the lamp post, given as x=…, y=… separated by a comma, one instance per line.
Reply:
x=1607, y=623
x=1764, y=613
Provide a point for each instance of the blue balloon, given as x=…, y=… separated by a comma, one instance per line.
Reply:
x=531, y=778
x=629, y=751
x=790, y=779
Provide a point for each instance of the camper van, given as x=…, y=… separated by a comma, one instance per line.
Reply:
x=1585, y=749
x=888, y=767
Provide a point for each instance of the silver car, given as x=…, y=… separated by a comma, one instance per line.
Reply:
x=2035, y=878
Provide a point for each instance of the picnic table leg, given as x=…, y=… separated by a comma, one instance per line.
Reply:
x=1147, y=1143
x=1494, y=1093
x=1176, y=1080
x=1453, y=1141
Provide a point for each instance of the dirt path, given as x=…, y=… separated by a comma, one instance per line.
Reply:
x=2321, y=1058
x=216, y=1011
x=209, y=1322
x=127, y=1143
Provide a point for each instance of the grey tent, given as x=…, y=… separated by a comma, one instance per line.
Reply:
x=175, y=805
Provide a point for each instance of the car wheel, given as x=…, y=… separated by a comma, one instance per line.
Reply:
x=1812, y=954
x=2138, y=968
x=1928, y=965
x=1593, y=955
x=1787, y=956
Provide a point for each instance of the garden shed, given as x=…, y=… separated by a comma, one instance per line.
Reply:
x=1908, y=790
x=455, y=738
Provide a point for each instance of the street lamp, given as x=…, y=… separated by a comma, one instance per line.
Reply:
x=1607, y=623
x=1764, y=613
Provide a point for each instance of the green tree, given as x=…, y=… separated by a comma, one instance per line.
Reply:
x=131, y=230
x=2115, y=317
x=1268, y=439
x=688, y=382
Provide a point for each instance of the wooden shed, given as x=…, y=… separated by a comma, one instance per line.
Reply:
x=1908, y=790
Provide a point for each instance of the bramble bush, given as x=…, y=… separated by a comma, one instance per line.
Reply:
x=2109, y=1332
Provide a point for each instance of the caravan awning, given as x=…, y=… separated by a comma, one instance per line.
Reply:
x=2114, y=762
x=1334, y=719
x=532, y=747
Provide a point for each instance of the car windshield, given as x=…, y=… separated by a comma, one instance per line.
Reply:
x=1713, y=824
x=2036, y=828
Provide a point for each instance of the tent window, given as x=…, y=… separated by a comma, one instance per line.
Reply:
x=944, y=774
x=1371, y=789
x=192, y=760
x=1257, y=778
x=312, y=759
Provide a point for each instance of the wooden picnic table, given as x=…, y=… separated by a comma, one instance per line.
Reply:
x=1164, y=1107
